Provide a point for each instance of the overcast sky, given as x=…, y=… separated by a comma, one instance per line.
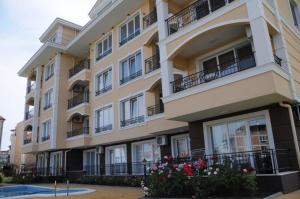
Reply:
x=22, y=22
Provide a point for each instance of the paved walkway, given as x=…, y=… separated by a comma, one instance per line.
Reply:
x=294, y=195
x=102, y=192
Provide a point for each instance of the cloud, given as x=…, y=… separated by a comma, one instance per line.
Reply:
x=22, y=22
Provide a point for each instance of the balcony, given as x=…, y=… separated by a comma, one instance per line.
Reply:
x=103, y=90
x=27, y=141
x=152, y=63
x=132, y=121
x=45, y=138
x=29, y=114
x=150, y=19
x=78, y=99
x=131, y=77
x=231, y=67
x=85, y=64
x=104, y=54
x=77, y=132
x=194, y=12
x=31, y=88
x=155, y=110
x=130, y=37
x=103, y=128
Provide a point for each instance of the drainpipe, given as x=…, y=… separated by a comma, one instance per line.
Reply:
x=289, y=107
x=65, y=166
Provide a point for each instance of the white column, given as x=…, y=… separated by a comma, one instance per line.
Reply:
x=167, y=77
x=59, y=36
x=36, y=103
x=55, y=100
x=260, y=33
x=162, y=14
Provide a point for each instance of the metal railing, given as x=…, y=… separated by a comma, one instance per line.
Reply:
x=103, y=128
x=205, y=76
x=277, y=60
x=44, y=138
x=194, y=12
x=49, y=76
x=47, y=106
x=78, y=99
x=103, y=90
x=76, y=132
x=91, y=170
x=156, y=109
x=29, y=114
x=104, y=54
x=27, y=141
x=130, y=37
x=152, y=63
x=131, y=77
x=31, y=87
x=131, y=121
x=85, y=64
x=150, y=19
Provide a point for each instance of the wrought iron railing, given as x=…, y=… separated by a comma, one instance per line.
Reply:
x=131, y=121
x=27, y=141
x=277, y=60
x=76, y=132
x=29, y=114
x=194, y=12
x=205, y=76
x=130, y=37
x=91, y=170
x=78, y=99
x=152, y=63
x=44, y=138
x=150, y=19
x=156, y=109
x=131, y=77
x=103, y=128
x=103, y=90
x=104, y=54
x=85, y=64
x=31, y=87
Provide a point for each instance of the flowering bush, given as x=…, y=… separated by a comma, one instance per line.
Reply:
x=197, y=179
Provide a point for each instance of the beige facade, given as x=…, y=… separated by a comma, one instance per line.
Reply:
x=146, y=70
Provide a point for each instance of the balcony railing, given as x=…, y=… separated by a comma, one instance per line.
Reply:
x=103, y=90
x=78, y=99
x=103, y=128
x=85, y=64
x=29, y=114
x=131, y=77
x=132, y=121
x=44, y=138
x=156, y=109
x=150, y=19
x=76, y=132
x=27, y=141
x=47, y=106
x=194, y=12
x=31, y=87
x=130, y=37
x=277, y=60
x=152, y=63
x=231, y=67
x=104, y=54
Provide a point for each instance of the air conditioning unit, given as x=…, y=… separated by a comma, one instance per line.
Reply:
x=296, y=111
x=100, y=149
x=162, y=140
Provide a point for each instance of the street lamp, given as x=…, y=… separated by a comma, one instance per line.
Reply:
x=145, y=170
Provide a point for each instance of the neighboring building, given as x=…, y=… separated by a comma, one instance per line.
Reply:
x=4, y=158
x=145, y=79
x=1, y=129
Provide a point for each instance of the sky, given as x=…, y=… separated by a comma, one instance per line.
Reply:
x=22, y=22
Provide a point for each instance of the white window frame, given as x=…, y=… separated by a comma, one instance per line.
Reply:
x=46, y=131
x=173, y=146
x=96, y=118
x=97, y=86
x=96, y=162
x=296, y=11
x=138, y=13
x=48, y=99
x=49, y=70
x=108, y=51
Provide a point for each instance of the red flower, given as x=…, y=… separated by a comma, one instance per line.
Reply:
x=202, y=164
x=187, y=169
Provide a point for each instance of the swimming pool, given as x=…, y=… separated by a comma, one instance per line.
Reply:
x=29, y=191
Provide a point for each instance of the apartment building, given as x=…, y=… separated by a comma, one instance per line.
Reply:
x=145, y=79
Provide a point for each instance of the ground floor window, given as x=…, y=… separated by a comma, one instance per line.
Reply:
x=56, y=163
x=42, y=164
x=181, y=146
x=90, y=163
x=116, y=160
x=146, y=150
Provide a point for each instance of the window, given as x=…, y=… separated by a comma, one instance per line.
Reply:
x=56, y=164
x=104, y=82
x=104, y=47
x=48, y=98
x=181, y=146
x=90, y=161
x=116, y=160
x=130, y=30
x=148, y=151
x=46, y=130
x=295, y=12
x=53, y=38
x=49, y=71
x=131, y=68
x=42, y=164
x=132, y=110
x=104, y=119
